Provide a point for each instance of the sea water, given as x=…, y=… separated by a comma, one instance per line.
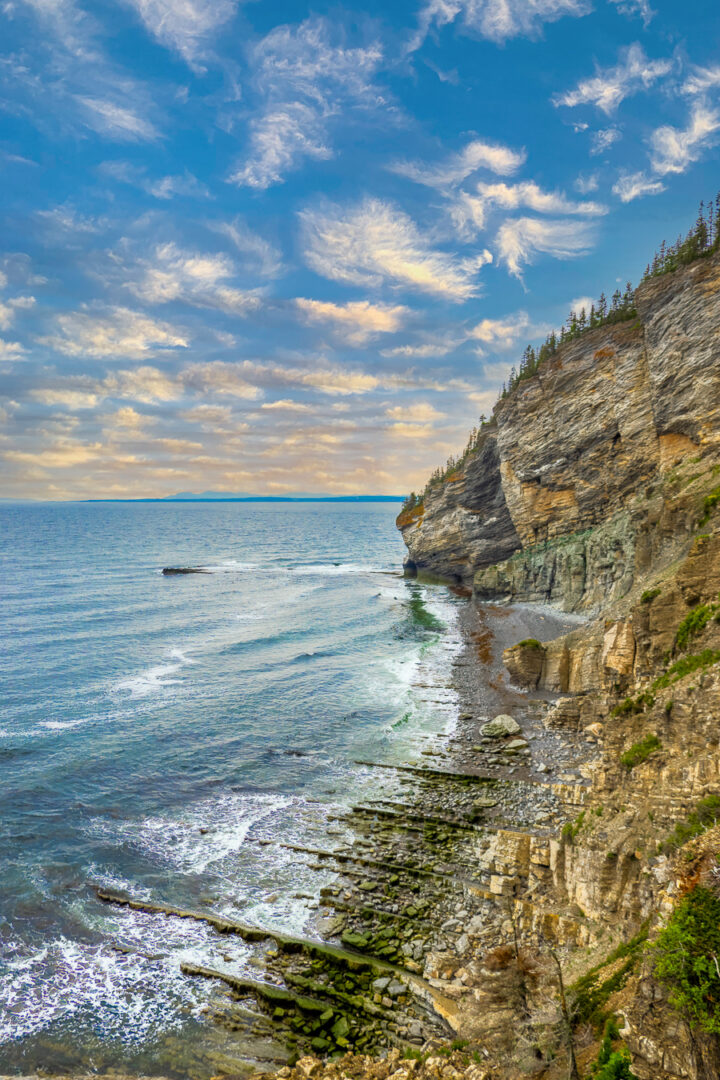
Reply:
x=154, y=728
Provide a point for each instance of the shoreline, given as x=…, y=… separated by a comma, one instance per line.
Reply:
x=400, y=928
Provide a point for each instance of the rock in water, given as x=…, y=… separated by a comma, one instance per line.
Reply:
x=500, y=726
x=167, y=570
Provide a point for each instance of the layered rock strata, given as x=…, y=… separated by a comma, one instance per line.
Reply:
x=550, y=500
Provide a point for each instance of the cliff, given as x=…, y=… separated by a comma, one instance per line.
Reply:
x=563, y=500
x=597, y=489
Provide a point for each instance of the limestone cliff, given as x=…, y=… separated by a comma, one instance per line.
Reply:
x=597, y=489
x=562, y=501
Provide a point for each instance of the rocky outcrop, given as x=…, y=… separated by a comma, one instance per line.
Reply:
x=561, y=501
x=468, y=523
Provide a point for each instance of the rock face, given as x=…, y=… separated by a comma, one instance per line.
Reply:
x=552, y=500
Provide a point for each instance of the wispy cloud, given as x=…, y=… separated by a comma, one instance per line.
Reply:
x=496, y=20
x=374, y=242
x=673, y=150
x=478, y=154
x=356, y=322
x=197, y=278
x=185, y=27
x=520, y=239
x=116, y=121
x=639, y=8
x=469, y=211
x=634, y=185
x=116, y=332
x=702, y=80
x=605, y=138
x=161, y=187
x=610, y=86
x=259, y=254
x=304, y=79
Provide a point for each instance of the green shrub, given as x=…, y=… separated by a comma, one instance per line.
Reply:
x=686, y=959
x=632, y=706
x=709, y=503
x=695, y=621
x=611, y=1064
x=640, y=751
x=650, y=595
x=530, y=643
x=571, y=828
x=705, y=814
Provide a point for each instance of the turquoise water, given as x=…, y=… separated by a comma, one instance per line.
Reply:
x=153, y=728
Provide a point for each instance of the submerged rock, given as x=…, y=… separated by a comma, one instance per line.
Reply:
x=184, y=570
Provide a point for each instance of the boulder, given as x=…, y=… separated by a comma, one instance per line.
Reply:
x=524, y=662
x=499, y=727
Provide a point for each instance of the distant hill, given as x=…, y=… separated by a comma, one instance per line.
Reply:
x=227, y=496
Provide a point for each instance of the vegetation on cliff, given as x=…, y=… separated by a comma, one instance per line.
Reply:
x=688, y=958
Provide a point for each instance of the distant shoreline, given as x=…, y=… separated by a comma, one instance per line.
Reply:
x=260, y=498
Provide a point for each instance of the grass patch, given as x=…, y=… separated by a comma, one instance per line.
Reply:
x=530, y=643
x=591, y=993
x=694, y=622
x=705, y=814
x=709, y=503
x=687, y=666
x=640, y=751
x=572, y=828
x=686, y=959
x=649, y=595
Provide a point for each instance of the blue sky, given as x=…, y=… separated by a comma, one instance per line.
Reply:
x=277, y=247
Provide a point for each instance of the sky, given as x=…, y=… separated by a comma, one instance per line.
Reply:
x=275, y=248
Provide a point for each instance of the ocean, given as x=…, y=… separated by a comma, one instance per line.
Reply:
x=165, y=736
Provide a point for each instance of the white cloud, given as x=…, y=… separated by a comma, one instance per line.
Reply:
x=116, y=121
x=260, y=254
x=633, y=185
x=304, y=79
x=419, y=412
x=476, y=155
x=198, y=279
x=70, y=399
x=502, y=333
x=10, y=350
x=167, y=187
x=635, y=7
x=602, y=140
x=497, y=20
x=702, y=80
x=520, y=239
x=610, y=86
x=184, y=26
x=7, y=310
x=356, y=321
x=586, y=184
x=374, y=242
x=581, y=303
x=279, y=139
x=286, y=405
x=674, y=149
x=425, y=350
x=116, y=332
x=468, y=211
